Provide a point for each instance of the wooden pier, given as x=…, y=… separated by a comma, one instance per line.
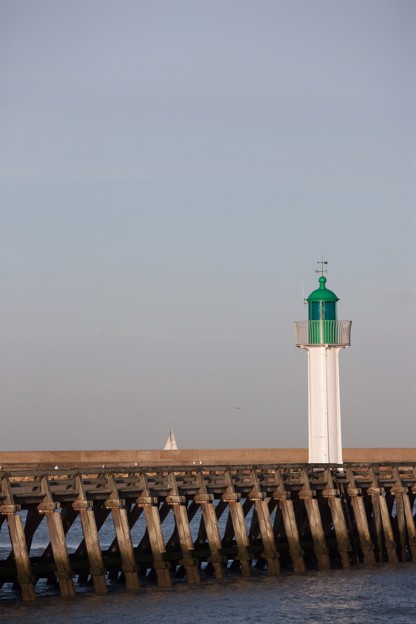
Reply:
x=202, y=521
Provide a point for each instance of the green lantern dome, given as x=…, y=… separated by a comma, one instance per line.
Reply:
x=322, y=293
x=322, y=313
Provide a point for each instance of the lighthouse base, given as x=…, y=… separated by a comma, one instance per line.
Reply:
x=324, y=410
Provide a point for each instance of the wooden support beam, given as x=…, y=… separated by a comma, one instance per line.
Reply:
x=410, y=524
x=57, y=537
x=144, y=545
x=92, y=542
x=382, y=520
x=289, y=521
x=265, y=524
x=183, y=530
x=361, y=522
x=239, y=525
x=332, y=495
x=101, y=514
x=315, y=523
x=33, y=520
x=9, y=510
x=211, y=527
x=405, y=520
x=150, y=506
x=133, y=514
x=68, y=517
x=121, y=525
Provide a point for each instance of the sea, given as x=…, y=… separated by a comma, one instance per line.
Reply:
x=382, y=594
x=359, y=596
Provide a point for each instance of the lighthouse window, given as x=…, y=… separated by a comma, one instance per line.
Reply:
x=329, y=310
x=322, y=310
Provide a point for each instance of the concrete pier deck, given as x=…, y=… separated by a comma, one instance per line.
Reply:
x=188, y=457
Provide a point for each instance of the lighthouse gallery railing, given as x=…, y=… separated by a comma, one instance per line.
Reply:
x=323, y=332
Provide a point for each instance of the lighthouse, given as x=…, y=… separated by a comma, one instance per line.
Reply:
x=323, y=336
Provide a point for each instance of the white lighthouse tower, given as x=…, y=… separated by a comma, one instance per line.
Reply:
x=323, y=337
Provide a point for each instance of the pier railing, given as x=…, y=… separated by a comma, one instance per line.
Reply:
x=177, y=522
x=326, y=332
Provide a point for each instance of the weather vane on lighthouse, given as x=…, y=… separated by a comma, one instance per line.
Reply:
x=321, y=270
x=323, y=336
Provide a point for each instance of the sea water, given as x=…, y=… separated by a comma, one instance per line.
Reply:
x=379, y=595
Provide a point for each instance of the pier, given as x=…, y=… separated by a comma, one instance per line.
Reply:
x=200, y=519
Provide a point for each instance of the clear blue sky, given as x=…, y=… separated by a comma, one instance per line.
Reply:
x=170, y=173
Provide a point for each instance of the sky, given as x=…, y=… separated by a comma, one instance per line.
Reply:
x=171, y=172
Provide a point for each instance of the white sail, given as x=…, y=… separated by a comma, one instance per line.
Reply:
x=171, y=442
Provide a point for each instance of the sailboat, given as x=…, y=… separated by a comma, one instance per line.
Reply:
x=171, y=442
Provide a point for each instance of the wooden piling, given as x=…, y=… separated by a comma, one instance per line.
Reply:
x=92, y=542
x=178, y=504
x=361, y=522
x=154, y=528
x=405, y=520
x=382, y=520
x=238, y=522
x=289, y=519
x=266, y=529
x=332, y=495
x=315, y=523
x=50, y=508
x=209, y=517
x=121, y=525
x=9, y=510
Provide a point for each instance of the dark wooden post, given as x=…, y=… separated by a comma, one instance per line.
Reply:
x=18, y=541
x=265, y=524
x=361, y=522
x=382, y=520
x=332, y=495
x=92, y=542
x=204, y=499
x=121, y=525
x=404, y=517
x=57, y=536
x=154, y=528
x=289, y=520
x=178, y=504
x=315, y=523
x=239, y=525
